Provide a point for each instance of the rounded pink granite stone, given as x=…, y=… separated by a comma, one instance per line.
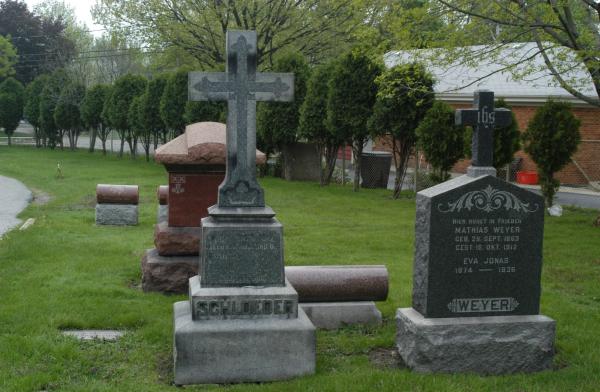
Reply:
x=162, y=193
x=203, y=143
x=117, y=194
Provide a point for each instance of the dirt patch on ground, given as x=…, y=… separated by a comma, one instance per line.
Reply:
x=164, y=367
x=386, y=358
x=40, y=197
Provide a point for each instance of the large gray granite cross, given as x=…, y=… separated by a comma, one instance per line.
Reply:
x=241, y=86
x=484, y=118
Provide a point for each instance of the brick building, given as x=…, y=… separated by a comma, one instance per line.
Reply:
x=456, y=83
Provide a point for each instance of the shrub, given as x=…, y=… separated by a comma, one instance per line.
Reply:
x=440, y=140
x=404, y=97
x=350, y=100
x=551, y=139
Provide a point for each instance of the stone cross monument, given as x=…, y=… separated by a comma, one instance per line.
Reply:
x=484, y=118
x=241, y=86
x=242, y=322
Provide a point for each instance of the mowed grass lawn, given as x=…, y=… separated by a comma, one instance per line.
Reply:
x=64, y=272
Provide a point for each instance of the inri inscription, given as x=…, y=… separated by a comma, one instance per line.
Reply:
x=480, y=250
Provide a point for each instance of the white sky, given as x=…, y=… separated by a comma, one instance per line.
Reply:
x=82, y=12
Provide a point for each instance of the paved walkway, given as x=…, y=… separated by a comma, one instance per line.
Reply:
x=14, y=197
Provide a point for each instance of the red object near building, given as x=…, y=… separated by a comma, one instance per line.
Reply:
x=528, y=177
x=345, y=151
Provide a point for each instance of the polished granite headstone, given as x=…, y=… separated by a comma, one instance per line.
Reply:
x=477, y=269
x=242, y=322
x=478, y=249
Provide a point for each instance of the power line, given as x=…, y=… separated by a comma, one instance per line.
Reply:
x=25, y=55
x=33, y=63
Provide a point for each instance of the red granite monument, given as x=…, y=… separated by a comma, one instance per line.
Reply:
x=195, y=162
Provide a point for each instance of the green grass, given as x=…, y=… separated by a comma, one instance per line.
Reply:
x=65, y=272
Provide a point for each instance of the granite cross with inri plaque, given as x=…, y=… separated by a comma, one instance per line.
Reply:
x=241, y=86
x=483, y=118
x=242, y=311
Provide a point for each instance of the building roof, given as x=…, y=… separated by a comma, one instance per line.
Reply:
x=457, y=81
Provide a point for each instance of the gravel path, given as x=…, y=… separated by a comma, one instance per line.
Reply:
x=14, y=197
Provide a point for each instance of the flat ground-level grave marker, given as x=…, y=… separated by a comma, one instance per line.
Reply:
x=94, y=334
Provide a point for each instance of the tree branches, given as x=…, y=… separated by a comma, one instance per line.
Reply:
x=548, y=23
x=313, y=27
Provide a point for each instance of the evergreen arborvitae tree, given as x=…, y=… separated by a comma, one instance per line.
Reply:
x=31, y=110
x=48, y=100
x=12, y=96
x=67, y=114
x=313, y=120
x=405, y=95
x=136, y=122
x=173, y=101
x=440, y=140
x=154, y=127
x=351, y=96
x=9, y=114
x=125, y=89
x=198, y=111
x=551, y=139
x=277, y=122
x=91, y=113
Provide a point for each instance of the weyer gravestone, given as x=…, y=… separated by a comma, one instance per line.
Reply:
x=477, y=270
x=242, y=322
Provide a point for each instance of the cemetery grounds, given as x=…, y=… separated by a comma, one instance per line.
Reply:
x=66, y=273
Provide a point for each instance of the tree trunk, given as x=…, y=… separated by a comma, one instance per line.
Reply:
x=401, y=153
x=357, y=149
x=38, y=137
x=331, y=151
x=93, y=136
x=71, y=135
x=9, y=141
x=321, y=154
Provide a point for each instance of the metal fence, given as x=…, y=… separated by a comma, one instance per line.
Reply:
x=18, y=141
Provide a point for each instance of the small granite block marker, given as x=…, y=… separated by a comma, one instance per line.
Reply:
x=477, y=271
x=117, y=205
x=242, y=322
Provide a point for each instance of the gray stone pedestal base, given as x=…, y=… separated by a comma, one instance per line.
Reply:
x=484, y=345
x=162, y=213
x=117, y=214
x=167, y=274
x=241, y=350
x=333, y=315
